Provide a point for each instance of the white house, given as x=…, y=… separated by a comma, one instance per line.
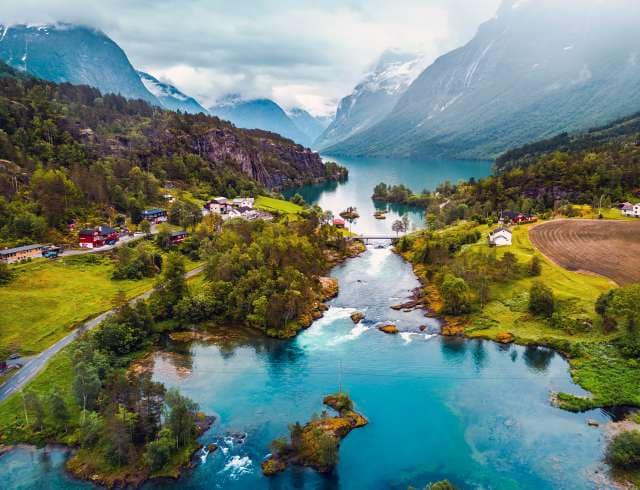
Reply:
x=631, y=210
x=500, y=237
x=243, y=202
x=218, y=205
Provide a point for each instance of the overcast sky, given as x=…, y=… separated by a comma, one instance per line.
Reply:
x=298, y=52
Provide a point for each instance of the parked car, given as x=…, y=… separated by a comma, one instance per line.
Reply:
x=52, y=252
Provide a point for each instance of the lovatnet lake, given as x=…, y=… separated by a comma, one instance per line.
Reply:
x=366, y=173
x=472, y=411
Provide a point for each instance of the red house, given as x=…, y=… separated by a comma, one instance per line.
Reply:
x=517, y=218
x=338, y=223
x=97, y=237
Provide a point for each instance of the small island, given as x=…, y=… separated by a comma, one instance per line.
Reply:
x=350, y=213
x=316, y=444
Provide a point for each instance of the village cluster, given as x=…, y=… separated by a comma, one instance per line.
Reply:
x=242, y=207
x=106, y=236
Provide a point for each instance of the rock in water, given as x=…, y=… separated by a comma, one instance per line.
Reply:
x=389, y=329
x=357, y=317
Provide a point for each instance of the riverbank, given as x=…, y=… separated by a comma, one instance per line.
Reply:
x=92, y=466
x=595, y=363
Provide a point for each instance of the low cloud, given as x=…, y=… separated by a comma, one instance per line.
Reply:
x=298, y=52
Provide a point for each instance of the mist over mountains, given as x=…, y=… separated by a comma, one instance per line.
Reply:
x=374, y=97
x=538, y=68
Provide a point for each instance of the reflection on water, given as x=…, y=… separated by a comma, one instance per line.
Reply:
x=366, y=173
x=538, y=358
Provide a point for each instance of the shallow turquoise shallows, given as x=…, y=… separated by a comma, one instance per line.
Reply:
x=474, y=412
x=366, y=173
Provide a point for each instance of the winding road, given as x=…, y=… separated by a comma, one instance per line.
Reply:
x=34, y=364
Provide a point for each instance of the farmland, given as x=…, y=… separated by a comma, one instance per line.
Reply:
x=271, y=204
x=607, y=248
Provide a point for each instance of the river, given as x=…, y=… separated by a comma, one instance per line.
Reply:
x=472, y=411
x=366, y=173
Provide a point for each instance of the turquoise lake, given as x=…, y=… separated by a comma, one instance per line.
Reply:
x=475, y=412
x=366, y=173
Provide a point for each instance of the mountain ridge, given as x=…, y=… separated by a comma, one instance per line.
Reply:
x=169, y=96
x=373, y=97
x=72, y=53
x=511, y=84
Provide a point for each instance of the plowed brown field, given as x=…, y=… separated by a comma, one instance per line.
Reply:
x=609, y=248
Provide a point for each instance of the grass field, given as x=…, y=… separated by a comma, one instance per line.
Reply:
x=47, y=299
x=596, y=364
x=271, y=204
x=57, y=374
x=576, y=293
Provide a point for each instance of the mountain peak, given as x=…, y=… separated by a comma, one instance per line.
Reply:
x=169, y=96
x=259, y=113
x=538, y=68
x=62, y=52
x=375, y=96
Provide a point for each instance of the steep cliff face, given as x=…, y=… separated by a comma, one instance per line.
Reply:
x=273, y=162
x=374, y=97
x=539, y=67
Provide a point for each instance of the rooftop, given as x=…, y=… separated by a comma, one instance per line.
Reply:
x=23, y=248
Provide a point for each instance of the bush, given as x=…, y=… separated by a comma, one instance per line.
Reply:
x=455, y=294
x=158, y=452
x=623, y=452
x=136, y=263
x=541, y=301
x=535, y=266
x=5, y=274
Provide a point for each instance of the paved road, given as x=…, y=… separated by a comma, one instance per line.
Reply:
x=34, y=364
x=121, y=241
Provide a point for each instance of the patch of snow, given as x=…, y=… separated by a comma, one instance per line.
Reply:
x=568, y=48
x=153, y=87
x=584, y=76
x=452, y=101
x=474, y=66
x=5, y=29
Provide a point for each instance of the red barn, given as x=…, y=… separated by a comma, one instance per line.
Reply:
x=97, y=237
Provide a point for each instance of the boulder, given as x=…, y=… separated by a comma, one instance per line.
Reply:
x=389, y=329
x=505, y=337
x=212, y=448
x=330, y=288
x=357, y=317
x=423, y=328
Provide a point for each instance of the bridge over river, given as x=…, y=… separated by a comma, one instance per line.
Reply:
x=366, y=238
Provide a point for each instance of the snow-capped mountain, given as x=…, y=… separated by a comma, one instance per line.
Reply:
x=258, y=114
x=74, y=54
x=374, y=97
x=539, y=67
x=311, y=126
x=170, y=97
